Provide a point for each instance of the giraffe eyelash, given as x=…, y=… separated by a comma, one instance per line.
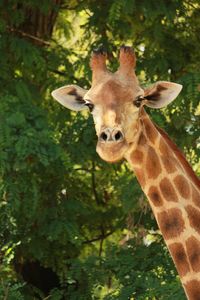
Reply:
x=89, y=105
x=138, y=100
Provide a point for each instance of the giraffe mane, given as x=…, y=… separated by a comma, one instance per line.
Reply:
x=180, y=156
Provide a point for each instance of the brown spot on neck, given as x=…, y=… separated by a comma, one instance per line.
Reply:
x=169, y=163
x=168, y=190
x=142, y=139
x=140, y=176
x=193, y=251
x=164, y=148
x=153, y=167
x=137, y=157
x=193, y=289
x=150, y=130
x=154, y=196
x=196, y=197
x=171, y=223
x=194, y=217
x=182, y=186
x=180, y=258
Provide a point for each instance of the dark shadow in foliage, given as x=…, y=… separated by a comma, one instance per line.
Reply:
x=45, y=279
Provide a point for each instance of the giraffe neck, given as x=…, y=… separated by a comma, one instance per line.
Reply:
x=173, y=191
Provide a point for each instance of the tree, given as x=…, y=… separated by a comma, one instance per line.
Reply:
x=65, y=214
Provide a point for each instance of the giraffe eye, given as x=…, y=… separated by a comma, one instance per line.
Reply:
x=138, y=100
x=89, y=105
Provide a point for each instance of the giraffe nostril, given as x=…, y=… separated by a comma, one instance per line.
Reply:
x=118, y=136
x=103, y=136
x=111, y=135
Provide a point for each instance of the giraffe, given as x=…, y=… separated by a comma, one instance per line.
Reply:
x=125, y=131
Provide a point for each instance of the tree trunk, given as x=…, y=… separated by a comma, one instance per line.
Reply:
x=37, y=25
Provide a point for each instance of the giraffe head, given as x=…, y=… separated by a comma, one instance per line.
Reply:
x=115, y=100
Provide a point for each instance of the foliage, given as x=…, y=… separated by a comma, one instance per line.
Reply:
x=61, y=207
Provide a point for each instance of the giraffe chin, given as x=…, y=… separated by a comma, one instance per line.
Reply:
x=112, y=152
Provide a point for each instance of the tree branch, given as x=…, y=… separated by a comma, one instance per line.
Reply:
x=24, y=34
x=62, y=74
x=82, y=169
x=101, y=241
x=94, y=184
x=99, y=238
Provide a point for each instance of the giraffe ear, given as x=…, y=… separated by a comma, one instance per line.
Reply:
x=161, y=94
x=70, y=96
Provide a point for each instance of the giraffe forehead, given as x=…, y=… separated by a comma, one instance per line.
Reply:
x=112, y=92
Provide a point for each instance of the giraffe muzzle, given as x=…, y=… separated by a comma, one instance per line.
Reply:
x=111, y=135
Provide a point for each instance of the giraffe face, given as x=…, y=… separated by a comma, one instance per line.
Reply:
x=115, y=100
x=115, y=115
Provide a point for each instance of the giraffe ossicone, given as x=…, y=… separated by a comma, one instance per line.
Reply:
x=124, y=130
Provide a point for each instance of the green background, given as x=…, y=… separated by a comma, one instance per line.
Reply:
x=72, y=226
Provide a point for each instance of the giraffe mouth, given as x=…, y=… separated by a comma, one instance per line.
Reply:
x=112, y=151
